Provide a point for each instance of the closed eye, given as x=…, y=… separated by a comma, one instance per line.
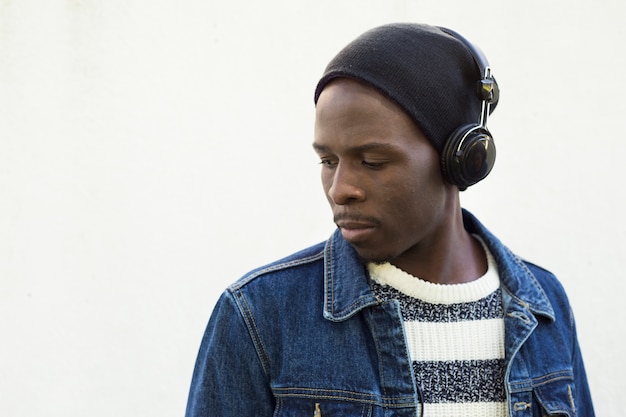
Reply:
x=373, y=164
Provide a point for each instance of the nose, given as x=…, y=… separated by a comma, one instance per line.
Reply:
x=344, y=187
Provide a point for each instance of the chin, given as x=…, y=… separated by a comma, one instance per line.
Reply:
x=378, y=258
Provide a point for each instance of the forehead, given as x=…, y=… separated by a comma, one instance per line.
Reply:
x=346, y=91
x=351, y=110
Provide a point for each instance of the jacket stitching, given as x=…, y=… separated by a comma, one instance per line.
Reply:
x=273, y=268
x=254, y=333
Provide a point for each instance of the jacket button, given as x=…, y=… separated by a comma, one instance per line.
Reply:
x=519, y=315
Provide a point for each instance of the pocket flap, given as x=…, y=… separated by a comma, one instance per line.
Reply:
x=557, y=397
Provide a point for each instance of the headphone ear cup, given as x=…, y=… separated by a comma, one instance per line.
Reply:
x=468, y=156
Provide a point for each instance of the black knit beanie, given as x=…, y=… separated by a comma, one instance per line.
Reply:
x=429, y=73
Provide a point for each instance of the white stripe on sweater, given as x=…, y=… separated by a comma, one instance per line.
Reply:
x=465, y=340
x=465, y=409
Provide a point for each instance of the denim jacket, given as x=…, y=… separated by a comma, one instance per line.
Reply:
x=305, y=336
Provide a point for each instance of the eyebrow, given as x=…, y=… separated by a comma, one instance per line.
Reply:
x=366, y=147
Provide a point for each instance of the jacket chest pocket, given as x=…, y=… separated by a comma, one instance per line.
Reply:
x=305, y=407
x=556, y=398
x=553, y=398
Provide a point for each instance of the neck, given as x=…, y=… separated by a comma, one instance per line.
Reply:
x=449, y=256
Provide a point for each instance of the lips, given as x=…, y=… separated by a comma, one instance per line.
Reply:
x=355, y=230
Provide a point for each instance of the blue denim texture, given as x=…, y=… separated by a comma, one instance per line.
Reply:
x=307, y=330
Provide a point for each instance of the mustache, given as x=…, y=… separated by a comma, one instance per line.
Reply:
x=356, y=217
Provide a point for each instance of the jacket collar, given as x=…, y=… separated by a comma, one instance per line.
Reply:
x=515, y=277
x=347, y=290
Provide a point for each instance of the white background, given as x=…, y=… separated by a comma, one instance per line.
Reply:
x=152, y=151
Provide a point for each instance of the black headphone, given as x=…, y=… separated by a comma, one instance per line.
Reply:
x=470, y=153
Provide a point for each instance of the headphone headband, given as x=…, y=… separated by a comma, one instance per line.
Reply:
x=487, y=88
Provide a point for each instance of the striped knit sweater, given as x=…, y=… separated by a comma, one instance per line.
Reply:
x=455, y=337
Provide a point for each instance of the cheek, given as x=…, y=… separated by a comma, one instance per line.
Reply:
x=406, y=199
x=427, y=177
x=418, y=194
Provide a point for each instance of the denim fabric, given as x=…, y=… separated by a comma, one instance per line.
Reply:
x=306, y=333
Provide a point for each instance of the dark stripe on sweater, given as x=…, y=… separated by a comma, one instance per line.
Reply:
x=413, y=309
x=461, y=381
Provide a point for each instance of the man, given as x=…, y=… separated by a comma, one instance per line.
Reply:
x=411, y=307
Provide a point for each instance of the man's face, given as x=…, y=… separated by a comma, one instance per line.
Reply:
x=379, y=172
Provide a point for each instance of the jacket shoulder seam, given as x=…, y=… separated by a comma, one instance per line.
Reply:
x=274, y=267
